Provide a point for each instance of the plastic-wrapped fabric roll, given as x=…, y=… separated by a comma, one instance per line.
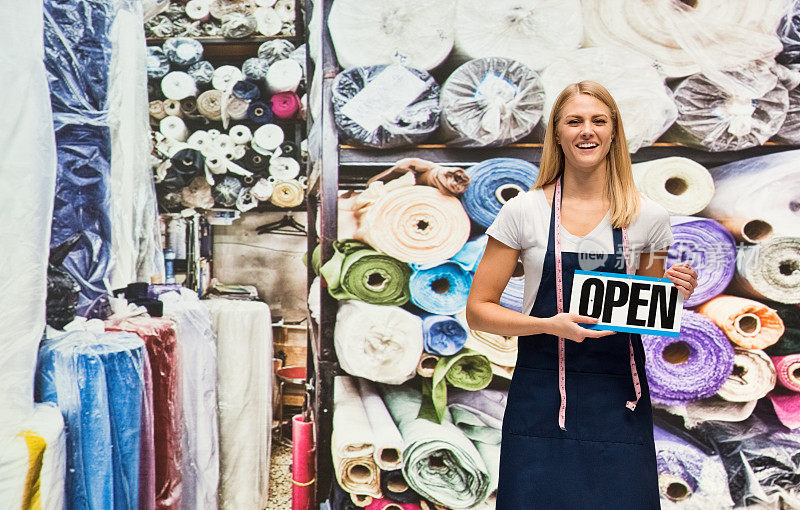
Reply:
x=467, y=370
x=709, y=248
x=173, y=128
x=769, y=270
x=157, y=63
x=645, y=102
x=688, y=478
x=380, y=343
x=197, y=10
x=388, y=443
x=789, y=34
x=415, y=224
x=443, y=335
x=508, y=29
x=789, y=342
x=501, y=350
x=440, y=290
x=244, y=351
x=224, y=77
x=197, y=194
x=226, y=191
x=395, y=488
x=255, y=69
x=753, y=376
x=448, y=180
x=490, y=102
x=773, y=187
x=288, y=193
x=237, y=25
x=178, y=85
x=493, y=182
x=188, y=162
x=353, y=441
x=202, y=72
x=285, y=105
x=275, y=50
x=209, y=104
x=267, y=21
x=427, y=364
x=678, y=184
x=691, y=367
x=386, y=106
x=462, y=481
x=183, y=51
x=97, y=383
x=513, y=294
x=747, y=323
x=284, y=76
x=420, y=34
x=788, y=133
x=356, y=271
x=166, y=360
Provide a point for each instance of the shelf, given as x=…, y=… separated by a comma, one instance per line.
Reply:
x=221, y=50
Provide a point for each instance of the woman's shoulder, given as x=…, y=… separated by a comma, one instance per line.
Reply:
x=523, y=201
x=651, y=213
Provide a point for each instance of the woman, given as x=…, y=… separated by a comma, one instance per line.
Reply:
x=578, y=428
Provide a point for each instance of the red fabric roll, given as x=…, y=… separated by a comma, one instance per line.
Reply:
x=160, y=338
x=147, y=456
x=388, y=504
x=285, y=105
x=302, y=463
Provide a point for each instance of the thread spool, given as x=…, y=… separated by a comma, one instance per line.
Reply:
x=173, y=128
x=172, y=107
x=156, y=109
x=183, y=51
x=284, y=76
x=178, y=85
x=225, y=76
x=284, y=168
x=255, y=69
x=268, y=22
x=209, y=104
x=267, y=138
x=202, y=72
x=240, y=134
x=197, y=10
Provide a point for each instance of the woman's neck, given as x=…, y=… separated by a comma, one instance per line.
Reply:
x=585, y=184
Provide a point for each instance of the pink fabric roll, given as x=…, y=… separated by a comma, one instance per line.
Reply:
x=788, y=370
x=147, y=457
x=302, y=463
x=285, y=105
x=787, y=407
x=388, y=504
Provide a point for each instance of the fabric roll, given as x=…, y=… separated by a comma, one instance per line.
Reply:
x=644, y=101
x=789, y=342
x=380, y=343
x=443, y=335
x=197, y=10
x=160, y=339
x=415, y=224
x=236, y=108
x=786, y=404
x=773, y=187
x=237, y=25
x=470, y=255
x=267, y=21
x=183, y=51
x=513, y=294
x=97, y=383
x=714, y=408
x=189, y=109
x=285, y=105
x=267, y=138
x=284, y=76
x=395, y=488
x=493, y=182
x=448, y=180
x=255, y=69
x=219, y=8
x=420, y=34
x=173, y=128
x=788, y=133
x=209, y=104
x=287, y=194
x=427, y=364
x=489, y=102
x=440, y=290
x=353, y=441
x=467, y=370
x=199, y=140
x=240, y=134
x=341, y=500
x=789, y=34
x=385, y=106
x=147, y=449
x=788, y=371
x=226, y=191
x=389, y=504
x=156, y=109
x=501, y=350
x=691, y=367
x=202, y=72
x=244, y=351
x=178, y=85
x=157, y=63
x=387, y=441
x=679, y=185
x=225, y=76
x=260, y=113
x=173, y=107
x=462, y=481
x=747, y=323
x=283, y=168
x=753, y=376
x=188, y=162
x=356, y=271
x=275, y=50
x=246, y=90
x=769, y=270
x=709, y=248
x=254, y=162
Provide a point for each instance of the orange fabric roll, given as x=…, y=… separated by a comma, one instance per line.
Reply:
x=747, y=323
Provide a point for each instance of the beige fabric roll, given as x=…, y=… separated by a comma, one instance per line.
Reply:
x=753, y=377
x=747, y=323
x=157, y=109
x=287, y=194
x=501, y=350
x=209, y=104
x=680, y=185
x=714, y=408
x=173, y=107
x=448, y=180
x=427, y=364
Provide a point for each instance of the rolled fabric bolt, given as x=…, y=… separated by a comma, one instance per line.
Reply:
x=246, y=201
x=197, y=10
x=173, y=128
x=501, y=350
x=789, y=133
x=189, y=109
x=173, y=107
x=226, y=191
x=287, y=194
x=178, y=85
x=225, y=76
x=220, y=8
x=215, y=162
x=284, y=76
x=285, y=10
x=254, y=161
x=157, y=109
x=265, y=3
x=441, y=290
x=259, y=113
x=255, y=69
x=427, y=364
x=448, y=180
x=154, y=90
x=202, y=72
x=157, y=63
x=513, y=294
x=678, y=184
x=246, y=90
x=199, y=140
x=188, y=162
x=237, y=25
x=276, y=49
x=268, y=22
x=284, y=168
x=753, y=376
x=240, y=134
x=285, y=105
x=197, y=195
x=267, y=138
x=443, y=335
x=769, y=270
x=237, y=108
x=222, y=143
x=747, y=323
x=238, y=152
x=395, y=488
x=160, y=26
x=209, y=104
x=788, y=371
x=289, y=149
x=387, y=441
x=262, y=190
x=714, y=408
x=187, y=28
x=183, y=51
x=789, y=342
x=494, y=182
x=210, y=29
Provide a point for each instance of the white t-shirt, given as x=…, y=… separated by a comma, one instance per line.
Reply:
x=524, y=224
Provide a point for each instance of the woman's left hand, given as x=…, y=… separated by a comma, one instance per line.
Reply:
x=684, y=277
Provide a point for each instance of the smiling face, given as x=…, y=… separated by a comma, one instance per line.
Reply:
x=584, y=132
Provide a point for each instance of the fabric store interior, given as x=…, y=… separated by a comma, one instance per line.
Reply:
x=239, y=237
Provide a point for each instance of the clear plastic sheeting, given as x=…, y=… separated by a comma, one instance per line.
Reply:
x=643, y=99
x=789, y=133
x=789, y=33
x=27, y=174
x=416, y=33
x=490, y=102
x=532, y=32
x=385, y=106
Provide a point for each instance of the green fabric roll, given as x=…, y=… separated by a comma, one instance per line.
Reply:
x=466, y=369
x=356, y=271
x=789, y=342
x=441, y=463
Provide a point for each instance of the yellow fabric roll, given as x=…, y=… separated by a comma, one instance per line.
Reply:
x=747, y=323
x=31, y=499
x=287, y=194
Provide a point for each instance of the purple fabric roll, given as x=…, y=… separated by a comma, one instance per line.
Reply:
x=710, y=249
x=691, y=367
x=513, y=294
x=677, y=458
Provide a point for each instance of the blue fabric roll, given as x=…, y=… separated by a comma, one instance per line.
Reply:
x=246, y=90
x=183, y=51
x=513, y=294
x=259, y=113
x=202, y=72
x=441, y=290
x=494, y=182
x=443, y=335
x=97, y=383
x=157, y=63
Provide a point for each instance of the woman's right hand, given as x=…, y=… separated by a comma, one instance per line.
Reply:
x=567, y=325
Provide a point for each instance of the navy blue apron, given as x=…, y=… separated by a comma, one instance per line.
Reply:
x=605, y=459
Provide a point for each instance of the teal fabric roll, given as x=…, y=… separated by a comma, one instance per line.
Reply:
x=441, y=290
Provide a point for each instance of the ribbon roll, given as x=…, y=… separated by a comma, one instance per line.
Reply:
x=285, y=10
x=157, y=63
x=259, y=113
x=493, y=183
x=188, y=163
x=254, y=161
x=769, y=270
x=202, y=72
x=209, y=104
x=262, y=190
x=240, y=134
x=215, y=162
x=173, y=107
x=753, y=377
x=284, y=168
x=199, y=140
x=284, y=76
x=246, y=90
x=189, y=109
x=691, y=367
x=226, y=191
x=237, y=25
x=427, y=364
x=747, y=323
x=178, y=85
x=678, y=184
x=441, y=290
x=285, y=105
x=255, y=69
x=183, y=51
x=224, y=77
x=267, y=138
x=197, y=10
x=156, y=109
x=173, y=128
x=275, y=50
x=268, y=22
x=287, y=194
x=443, y=335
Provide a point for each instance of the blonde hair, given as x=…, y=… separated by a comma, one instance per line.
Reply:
x=620, y=188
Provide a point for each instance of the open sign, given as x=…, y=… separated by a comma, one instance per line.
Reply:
x=628, y=303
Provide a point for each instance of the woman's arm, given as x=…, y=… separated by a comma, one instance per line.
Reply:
x=682, y=275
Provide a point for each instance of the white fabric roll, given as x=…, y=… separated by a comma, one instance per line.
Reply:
x=285, y=10
x=644, y=101
x=265, y=3
x=262, y=190
x=387, y=440
x=415, y=33
x=267, y=138
x=236, y=108
x=267, y=21
x=174, y=128
x=714, y=408
x=225, y=76
x=533, y=32
x=284, y=168
x=199, y=140
x=239, y=151
x=244, y=367
x=284, y=76
x=222, y=144
x=197, y=10
x=178, y=85
x=379, y=343
x=240, y=134
x=769, y=270
x=680, y=185
x=215, y=161
x=753, y=376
